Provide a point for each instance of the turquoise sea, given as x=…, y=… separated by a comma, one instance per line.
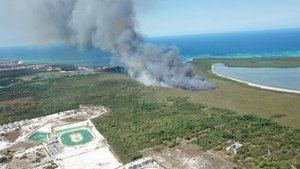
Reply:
x=275, y=43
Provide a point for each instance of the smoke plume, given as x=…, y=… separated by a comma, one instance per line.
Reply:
x=110, y=25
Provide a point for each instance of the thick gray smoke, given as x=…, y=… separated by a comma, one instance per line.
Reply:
x=110, y=25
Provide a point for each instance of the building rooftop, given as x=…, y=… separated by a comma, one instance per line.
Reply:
x=234, y=147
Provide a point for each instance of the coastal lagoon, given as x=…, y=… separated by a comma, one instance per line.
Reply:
x=283, y=78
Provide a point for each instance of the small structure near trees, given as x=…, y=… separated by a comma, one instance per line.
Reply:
x=234, y=147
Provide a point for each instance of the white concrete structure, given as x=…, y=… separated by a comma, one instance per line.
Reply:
x=144, y=163
x=234, y=147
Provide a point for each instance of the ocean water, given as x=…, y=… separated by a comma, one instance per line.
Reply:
x=276, y=43
x=285, y=78
x=57, y=54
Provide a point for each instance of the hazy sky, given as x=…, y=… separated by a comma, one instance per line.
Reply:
x=177, y=17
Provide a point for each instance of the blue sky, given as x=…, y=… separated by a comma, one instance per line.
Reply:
x=181, y=17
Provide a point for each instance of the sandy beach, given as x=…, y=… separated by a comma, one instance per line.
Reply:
x=255, y=85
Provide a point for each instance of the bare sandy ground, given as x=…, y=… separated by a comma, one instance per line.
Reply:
x=185, y=156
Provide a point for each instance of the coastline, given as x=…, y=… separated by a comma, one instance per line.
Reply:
x=253, y=84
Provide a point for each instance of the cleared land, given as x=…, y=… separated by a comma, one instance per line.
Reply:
x=142, y=117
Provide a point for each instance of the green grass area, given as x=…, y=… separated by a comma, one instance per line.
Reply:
x=141, y=117
x=252, y=62
x=66, y=138
x=39, y=137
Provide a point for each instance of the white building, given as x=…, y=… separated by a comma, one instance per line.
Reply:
x=27, y=122
x=22, y=122
x=5, y=126
x=141, y=164
x=234, y=147
x=10, y=125
x=17, y=124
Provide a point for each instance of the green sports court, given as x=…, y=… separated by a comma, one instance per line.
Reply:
x=76, y=137
x=39, y=137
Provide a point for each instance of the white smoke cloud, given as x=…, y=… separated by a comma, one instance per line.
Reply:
x=110, y=25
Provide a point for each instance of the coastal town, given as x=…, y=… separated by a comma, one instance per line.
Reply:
x=6, y=65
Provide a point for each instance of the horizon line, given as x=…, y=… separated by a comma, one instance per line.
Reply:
x=225, y=32
x=161, y=36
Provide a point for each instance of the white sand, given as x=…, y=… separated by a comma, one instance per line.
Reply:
x=4, y=145
x=255, y=85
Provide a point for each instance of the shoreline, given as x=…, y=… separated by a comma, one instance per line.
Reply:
x=255, y=85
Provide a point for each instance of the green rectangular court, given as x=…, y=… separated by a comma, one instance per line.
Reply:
x=39, y=137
